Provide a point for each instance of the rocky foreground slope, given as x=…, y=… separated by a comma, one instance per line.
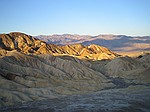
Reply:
x=32, y=70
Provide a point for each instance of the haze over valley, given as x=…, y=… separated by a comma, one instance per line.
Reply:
x=117, y=43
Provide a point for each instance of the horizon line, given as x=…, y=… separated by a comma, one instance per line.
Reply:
x=73, y=34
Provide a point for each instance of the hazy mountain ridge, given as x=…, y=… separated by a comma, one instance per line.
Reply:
x=113, y=42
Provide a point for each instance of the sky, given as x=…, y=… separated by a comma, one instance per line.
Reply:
x=84, y=17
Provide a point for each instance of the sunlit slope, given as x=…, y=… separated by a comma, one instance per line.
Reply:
x=30, y=45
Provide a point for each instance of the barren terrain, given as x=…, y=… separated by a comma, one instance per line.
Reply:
x=37, y=76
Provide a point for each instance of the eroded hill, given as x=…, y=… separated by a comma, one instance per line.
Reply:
x=31, y=70
x=30, y=45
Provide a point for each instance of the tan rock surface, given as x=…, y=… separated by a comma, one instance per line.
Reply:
x=29, y=45
x=45, y=76
x=31, y=69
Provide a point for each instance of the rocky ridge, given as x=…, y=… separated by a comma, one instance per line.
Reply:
x=30, y=45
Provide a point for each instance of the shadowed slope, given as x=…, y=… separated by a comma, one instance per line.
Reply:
x=45, y=76
x=130, y=69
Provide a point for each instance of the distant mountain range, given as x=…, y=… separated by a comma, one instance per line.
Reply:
x=117, y=43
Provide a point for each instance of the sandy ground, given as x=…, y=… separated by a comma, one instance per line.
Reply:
x=130, y=99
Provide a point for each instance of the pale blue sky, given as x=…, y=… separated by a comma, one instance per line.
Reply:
x=35, y=17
